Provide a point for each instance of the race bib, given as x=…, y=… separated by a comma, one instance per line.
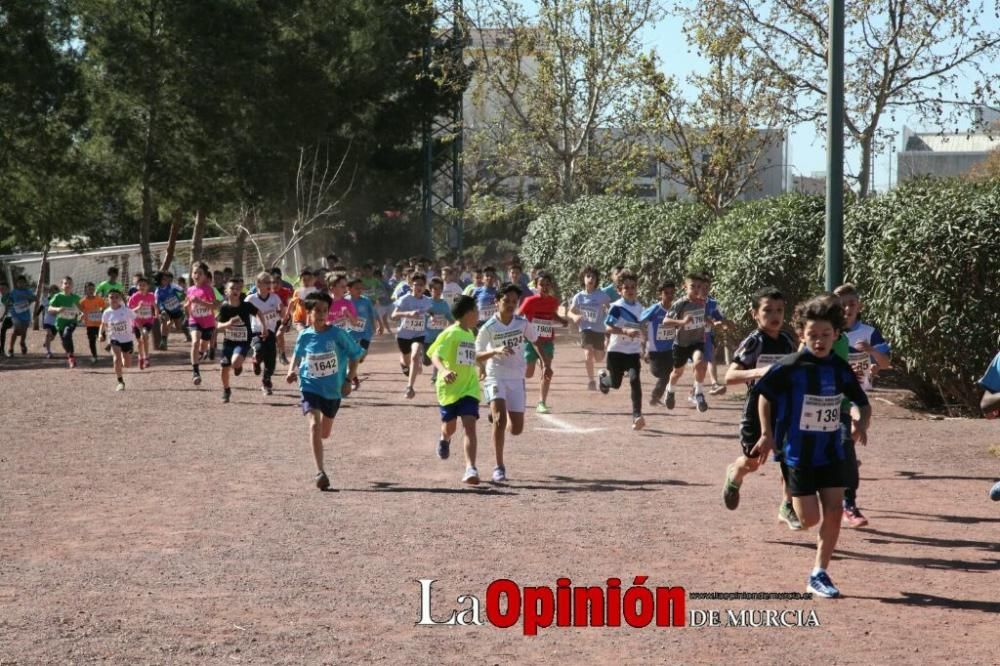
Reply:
x=861, y=364
x=466, y=353
x=589, y=314
x=544, y=327
x=236, y=334
x=94, y=316
x=697, y=320
x=271, y=319
x=665, y=333
x=171, y=303
x=21, y=307
x=145, y=312
x=119, y=327
x=437, y=323
x=820, y=413
x=509, y=340
x=322, y=365
x=414, y=324
x=767, y=360
x=199, y=311
x=69, y=313
x=360, y=326
x=487, y=311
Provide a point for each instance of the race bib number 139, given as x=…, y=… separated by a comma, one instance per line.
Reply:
x=820, y=413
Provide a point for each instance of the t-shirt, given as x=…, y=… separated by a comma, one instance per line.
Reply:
x=92, y=308
x=118, y=323
x=48, y=319
x=70, y=313
x=593, y=306
x=105, y=287
x=494, y=334
x=20, y=301
x=341, y=311
x=268, y=309
x=660, y=338
x=759, y=350
x=626, y=316
x=991, y=380
x=202, y=315
x=611, y=291
x=541, y=312
x=365, y=312
x=324, y=360
x=401, y=289
x=451, y=292
x=169, y=299
x=240, y=331
x=411, y=328
x=486, y=301
x=700, y=311
x=806, y=394
x=144, y=303
x=861, y=361
x=438, y=318
x=375, y=289
x=456, y=347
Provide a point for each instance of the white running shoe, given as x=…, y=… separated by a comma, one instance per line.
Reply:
x=471, y=476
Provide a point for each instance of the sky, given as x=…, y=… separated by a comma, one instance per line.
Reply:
x=807, y=152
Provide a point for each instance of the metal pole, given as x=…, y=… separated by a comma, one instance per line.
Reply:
x=835, y=149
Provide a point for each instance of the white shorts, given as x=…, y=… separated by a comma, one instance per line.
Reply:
x=511, y=391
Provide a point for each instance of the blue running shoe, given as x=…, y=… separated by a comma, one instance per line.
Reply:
x=995, y=492
x=822, y=586
x=444, y=449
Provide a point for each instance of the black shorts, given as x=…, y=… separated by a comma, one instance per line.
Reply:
x=405, y=345
x=205, y=333
x=592, y=340
x=138, y=330
x=806, y=481
x=660, y=363
x=231, y=348
x=328, y=407
x=171, y=316
x=684, y=354
x=51, y=328
x=125, y=347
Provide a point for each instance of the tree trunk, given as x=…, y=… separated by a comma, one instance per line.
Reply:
x=175, y=227
x=240, y=247
x=145, y=225
x=198, y=235
x=865, y=175
x=43, y=284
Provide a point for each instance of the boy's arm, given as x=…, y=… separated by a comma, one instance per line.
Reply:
x=737, y=374
x=292, y=374
x=765, y=445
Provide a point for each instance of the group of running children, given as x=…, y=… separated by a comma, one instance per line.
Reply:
x=806, y=402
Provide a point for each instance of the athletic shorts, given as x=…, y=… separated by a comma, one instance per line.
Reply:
x=406, y=344
x=592, y=340
x=511, y=391
x=231, y=348
x=51, y=328
x=205, y=333
x=139, y=328
x=467, y=406
x=20, y=326
x=172, y=316
x=806, y=481
x=660, y=363
x=125, y=347
x=548, y=348
x=710, y=346
x=328, y=407
x=684, y=354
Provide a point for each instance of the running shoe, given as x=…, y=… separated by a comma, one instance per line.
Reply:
x=995, y=492
x=853, y=517
x=405, y=369
x=9, y=353
x=238, y=370
x=822, y=586
x=409, y=393
x=601, y=376
x=699, y=401
x=542, y=408
x=196, y=379
x=786, y=514
x=718, y=389
x=322, y=481
x=638, y=423
x=671, y=400
x=163, y=345
x=654, y=400
x=499, y=474
x=355, y=383
x=71, y=362
x=121, y=386
x=24, y=349
x=284, y=358
x=266, y=390
x=591, y=385
x=730, y=491
x=48, y=354
x=226, y=394
x=93, y=360
x=444, y=449
x=471, y=476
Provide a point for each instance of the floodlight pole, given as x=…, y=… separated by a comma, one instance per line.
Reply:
x=834, y=249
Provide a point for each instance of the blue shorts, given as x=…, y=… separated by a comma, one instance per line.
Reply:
x=709, y=350
x=467, y=406
x=327, y=406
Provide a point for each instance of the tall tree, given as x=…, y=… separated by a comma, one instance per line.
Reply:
x=557, y=85
x=900, y=55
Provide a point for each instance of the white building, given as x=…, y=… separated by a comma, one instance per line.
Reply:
x=937, y=154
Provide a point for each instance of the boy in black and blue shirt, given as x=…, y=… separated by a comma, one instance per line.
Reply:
x=799, y=407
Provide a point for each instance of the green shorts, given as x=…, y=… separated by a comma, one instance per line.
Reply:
x=548, y=348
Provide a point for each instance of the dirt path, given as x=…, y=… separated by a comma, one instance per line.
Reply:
x=161, y=526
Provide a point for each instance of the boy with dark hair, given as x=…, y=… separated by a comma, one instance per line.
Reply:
x=19, y=302
x=411, y=312
x=625, y=346
x=758, y=352
x=486, y=295
x=325, y=362
x=800, y=399
x=660, y=333
x=588, y=309
x=66, y=307
x=105, y=286
x=235, y=320
x=689, y=344
x=542, y=310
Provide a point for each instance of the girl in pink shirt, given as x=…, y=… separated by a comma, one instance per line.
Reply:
x=201, y=306
x=143, y=304
x=342, y=314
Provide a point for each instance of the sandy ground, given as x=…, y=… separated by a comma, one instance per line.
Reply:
x=160, y=526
